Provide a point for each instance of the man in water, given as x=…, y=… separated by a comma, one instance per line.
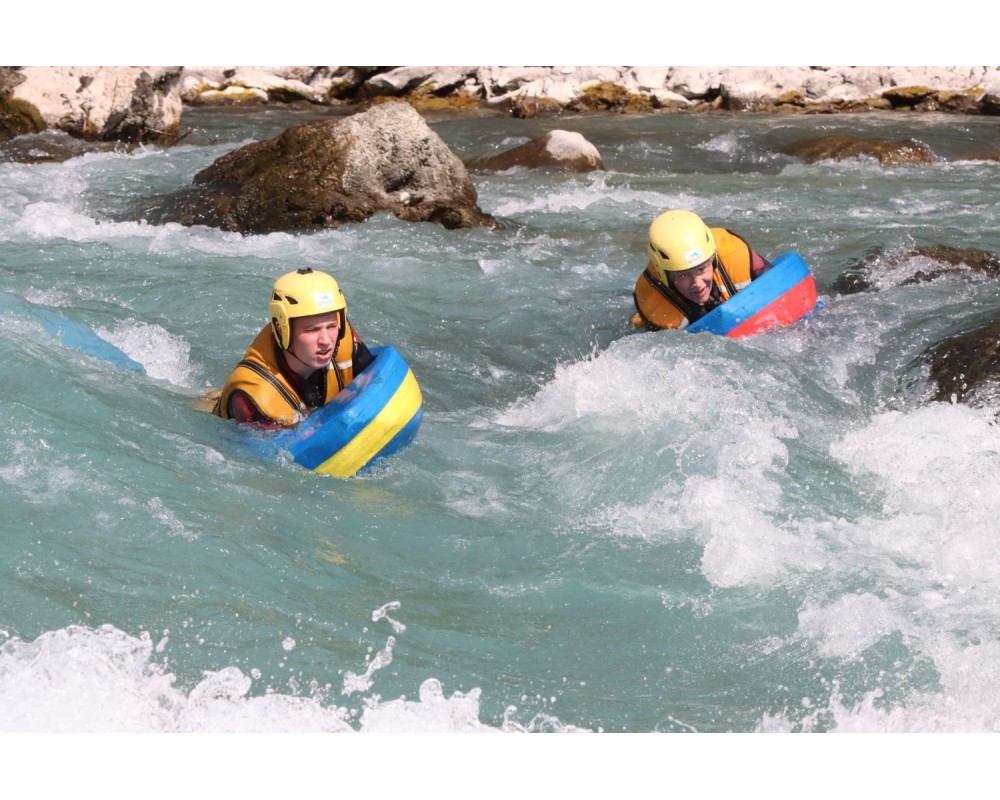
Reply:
x=692, y=269
x=299, y=361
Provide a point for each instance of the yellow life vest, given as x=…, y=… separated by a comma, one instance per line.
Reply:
x=259, y=375
x=660, y=307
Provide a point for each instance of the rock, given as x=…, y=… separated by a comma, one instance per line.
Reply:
x=126, y=104
x=951, y=259
x=329, y=172
x=837, y=147
x=400, y=81
x=991, y=103
x=933, y=261
x=965, y=102
x=18, y=118
x=557, y=148
x=608, y=96
x=907, y=96
x=249, y=86
x=49, y=146
x=527, y=107
x=966, y=367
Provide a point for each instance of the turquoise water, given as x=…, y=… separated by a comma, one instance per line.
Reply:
x=594, y=530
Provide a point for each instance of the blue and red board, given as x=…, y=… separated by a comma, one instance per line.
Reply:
x=782, y=295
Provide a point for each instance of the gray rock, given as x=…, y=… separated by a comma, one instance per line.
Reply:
x=126, y=104
x=329, y=172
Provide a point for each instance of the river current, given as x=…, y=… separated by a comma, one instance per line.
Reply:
x=594, y=530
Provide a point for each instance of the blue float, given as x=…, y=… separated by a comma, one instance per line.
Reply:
x=72, y=334
x=374, y=416
x=782, y=295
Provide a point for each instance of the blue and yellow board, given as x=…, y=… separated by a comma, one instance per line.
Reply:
x=375, y=415
x=782, y=295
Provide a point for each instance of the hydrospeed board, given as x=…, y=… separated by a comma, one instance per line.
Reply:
x=375, y=415
x=782, y=295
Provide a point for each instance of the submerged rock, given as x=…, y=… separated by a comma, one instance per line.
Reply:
x=935, y=260
x=50, y=146
x=837, y=147
x=558, y=148
x=329, y=172
x=966, y=367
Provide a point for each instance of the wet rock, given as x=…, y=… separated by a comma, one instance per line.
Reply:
x=558, y=148
x=330, y=172
x=965, y=368
x=935, y=260
x=837, y=147
x=949, y=259
x=49, y=146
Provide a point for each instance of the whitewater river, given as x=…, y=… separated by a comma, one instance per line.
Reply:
x=594, y=529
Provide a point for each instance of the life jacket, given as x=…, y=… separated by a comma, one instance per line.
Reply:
x=259, y=375
x=660, y=306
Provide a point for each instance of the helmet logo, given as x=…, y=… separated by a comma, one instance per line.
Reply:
x=694, y=256
x=323, y=300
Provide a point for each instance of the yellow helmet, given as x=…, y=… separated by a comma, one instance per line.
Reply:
x=679, y=240
x=303, y=293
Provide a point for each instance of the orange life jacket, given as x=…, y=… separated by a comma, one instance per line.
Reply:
x=259, y=375
x=660, y=306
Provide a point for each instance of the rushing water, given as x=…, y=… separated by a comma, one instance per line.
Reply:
x=594, y=530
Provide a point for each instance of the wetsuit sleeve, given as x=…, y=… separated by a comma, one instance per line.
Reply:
x=758, y=265
x=242, y=409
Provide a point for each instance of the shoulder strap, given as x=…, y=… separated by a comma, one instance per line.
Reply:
x=690, y=310
x=267, y=376
x=730, y=286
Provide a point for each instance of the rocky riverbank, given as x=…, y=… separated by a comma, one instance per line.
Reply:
x=526, y=91
x=145, y=104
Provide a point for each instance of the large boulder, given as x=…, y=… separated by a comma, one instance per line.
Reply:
x=124, y=104
x=562, y=149
x=325, y=173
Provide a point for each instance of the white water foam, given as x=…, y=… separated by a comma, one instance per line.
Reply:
x=164, y=355
x=102, y=679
